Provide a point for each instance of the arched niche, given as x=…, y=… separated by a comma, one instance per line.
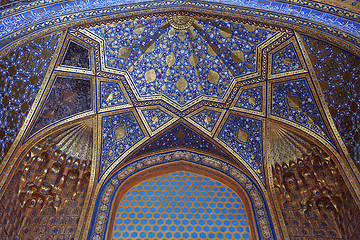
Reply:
x=124, y=179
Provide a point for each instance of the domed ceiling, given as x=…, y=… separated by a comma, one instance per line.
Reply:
x=109, y=92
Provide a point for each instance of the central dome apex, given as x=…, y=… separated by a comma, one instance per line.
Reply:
x=182, y=57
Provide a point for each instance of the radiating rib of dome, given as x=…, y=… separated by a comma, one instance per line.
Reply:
x=286, y=146
x=76, y=140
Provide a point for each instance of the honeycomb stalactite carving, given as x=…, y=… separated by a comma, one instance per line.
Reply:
x=314, y=200
x=45, y=196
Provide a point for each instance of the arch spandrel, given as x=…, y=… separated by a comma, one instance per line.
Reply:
x=234, y=125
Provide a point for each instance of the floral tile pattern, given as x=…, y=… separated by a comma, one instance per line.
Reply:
x=285, y=60
x=206, y=118
x=119, y=133
x=292, y=100
x=244, y=136
x=250, y=99
x=156, y=118
x=182, y=57
x=339, y=77
x=111, y=95
x=21, y=75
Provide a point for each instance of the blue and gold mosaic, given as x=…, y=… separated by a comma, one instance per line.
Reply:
x=250, y=99
x=111, y=95
x=182, y=136
x=244, y=136
x=182, y=57
x=119, y=133
x=339, y=77
x=21, y=75
x=68, y=96
x=181, y=205
x=285, y=60
x=206, y=118
x=293, y=101
x=156, y=118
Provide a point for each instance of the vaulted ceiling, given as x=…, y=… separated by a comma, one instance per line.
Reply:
x=107, y=84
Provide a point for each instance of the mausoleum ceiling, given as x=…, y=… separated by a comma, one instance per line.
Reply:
x=124, y=93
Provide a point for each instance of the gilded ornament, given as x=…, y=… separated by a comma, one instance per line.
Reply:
x=139, y=29
x=251, y=100
x=213, y=77
x=182, y=84
x=110, y=97
x=170, y=60
x=237, y=56
x=120, y=132
x=180, y=22
x=124, y=52
x=213, y=49
x=149, y=47
x=207, y=120
x=249, y=27
x=193, y=60
x=225, y=32
x=293, y=101
x=242, y=135
x=150, y=76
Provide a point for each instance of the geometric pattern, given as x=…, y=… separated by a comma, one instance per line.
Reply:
x=244, y=136
x=111, y=95
x=156, y=118
x=119, y=133
x=251, y=99
x=293, y=101
x=181, y=205
x=206, y=118
x=68, y=96
x=183, y=62
x=21, y=75
x=339, y=78
x=285, y=60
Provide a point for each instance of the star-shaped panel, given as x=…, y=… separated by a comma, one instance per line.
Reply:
x=182, y=57
x=119, y=133
x=243, y=136
x=112, y=95
x=293, y=101
x=156, y=118
x=206, y=119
